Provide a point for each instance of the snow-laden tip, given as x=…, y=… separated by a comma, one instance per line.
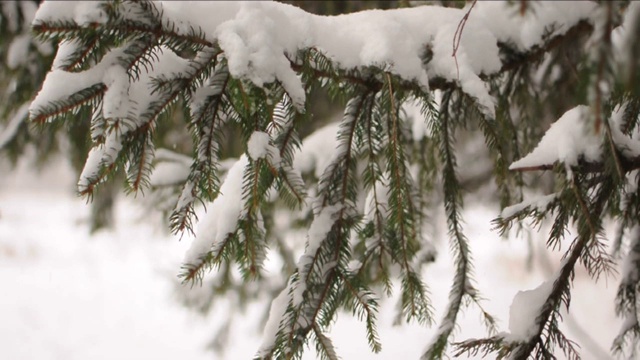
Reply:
x=524, y=311
x=567, y=140
x=222, y=216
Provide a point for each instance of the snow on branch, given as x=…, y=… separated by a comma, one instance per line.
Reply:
x=573, y=142
x=261, y=39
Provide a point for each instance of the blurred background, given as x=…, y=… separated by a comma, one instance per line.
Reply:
x=98, y=280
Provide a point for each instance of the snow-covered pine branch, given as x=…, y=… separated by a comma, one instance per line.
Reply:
x=362, y=188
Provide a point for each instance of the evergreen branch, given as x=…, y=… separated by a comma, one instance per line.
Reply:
x=74, y=101
x=206, y=123
x=402, y=216
x=141, y=163
x=627, y=300
x=316, y=289
x=584, y=166
x=560, y=293
x=462, y=285
x=324, y=345
x=365, y=305
x=373, y=180
x=194, y=273
x=537, y=53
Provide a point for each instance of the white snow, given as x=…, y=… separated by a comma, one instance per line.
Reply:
x=222, y=216
x=100, y=156
x=258, y=145
x=261, y=39
x=276, y=312
x=539, y=203
x=629, y=146
x=114, y=102
x=81, y=12
x=317, y=233
x=524, y=309
x=568, y=139
x=506, y=23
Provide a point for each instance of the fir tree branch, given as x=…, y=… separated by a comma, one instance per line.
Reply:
x=462, y=284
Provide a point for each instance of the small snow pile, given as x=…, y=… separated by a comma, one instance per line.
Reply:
x=506, y=23
x=629, y=146
x=222, y=216
x=567, y=140
x=259, y=146
x=539, y=203
x=524, y=310
x=83, y=13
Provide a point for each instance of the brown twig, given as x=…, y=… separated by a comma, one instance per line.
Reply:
x=457, y=36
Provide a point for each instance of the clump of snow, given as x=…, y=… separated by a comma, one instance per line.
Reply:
x=66, y=48
x=114, y=102
x=168, y=173
x=256, y=47
x=123, y=99
x=524, y=311
x=80, y=12
x=222, y=216
x=394, y=40
x=629, y=146
x=276, y=313
x=566, y=141
x=258, y=145
x=99, y=156
x=508, y=25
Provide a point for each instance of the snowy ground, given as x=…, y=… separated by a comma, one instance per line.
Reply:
x=67, y=295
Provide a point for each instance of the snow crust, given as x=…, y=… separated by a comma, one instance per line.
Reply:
x=524, y=309
x=566, y=141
